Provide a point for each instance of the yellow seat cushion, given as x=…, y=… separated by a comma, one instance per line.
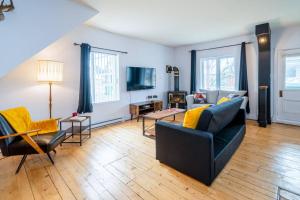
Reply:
x=223, y=100
x=45, y=126
x=192, y=117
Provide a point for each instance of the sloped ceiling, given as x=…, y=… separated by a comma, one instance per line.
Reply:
x=181, y=22
x=33, y=25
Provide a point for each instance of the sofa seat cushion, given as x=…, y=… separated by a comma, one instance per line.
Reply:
x=47, y=142
x=217, y=117
x=226, y=144
x=224, y=137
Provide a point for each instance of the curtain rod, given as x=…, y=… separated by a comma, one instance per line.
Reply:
x=125, y=52
x=220, y=47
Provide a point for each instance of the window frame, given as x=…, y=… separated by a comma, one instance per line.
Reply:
x=286, y=55
x=92, y=75
x=218, y=71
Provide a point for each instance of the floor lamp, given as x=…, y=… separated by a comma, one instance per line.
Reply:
x=51, y=72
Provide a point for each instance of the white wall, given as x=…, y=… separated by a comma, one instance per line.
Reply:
x=21, y=88
x=183, y=60
x=33, y=25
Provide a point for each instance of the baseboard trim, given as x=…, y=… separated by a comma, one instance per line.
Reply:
x=293, y=123
x=251, y=116
x=107, y=122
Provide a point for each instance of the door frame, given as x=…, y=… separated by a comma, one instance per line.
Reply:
x=278, y=63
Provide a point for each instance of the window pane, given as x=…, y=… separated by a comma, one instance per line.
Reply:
x=292, y=72
x=227, y=74
x=105, y=77
x=209, y=75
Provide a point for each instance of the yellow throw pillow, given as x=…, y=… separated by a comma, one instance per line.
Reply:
x=223, y=100
x=192, y=117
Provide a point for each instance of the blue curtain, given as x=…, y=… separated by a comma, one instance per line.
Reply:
x=193, y=71
x=85, y=98
x=243, y=83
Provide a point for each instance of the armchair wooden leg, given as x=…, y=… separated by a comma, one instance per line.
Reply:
x=54, y=151
x=21, y=163
x=49, y=156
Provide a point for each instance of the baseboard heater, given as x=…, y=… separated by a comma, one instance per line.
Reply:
x=107, y=122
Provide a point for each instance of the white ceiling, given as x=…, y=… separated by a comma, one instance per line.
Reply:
x=181, y=22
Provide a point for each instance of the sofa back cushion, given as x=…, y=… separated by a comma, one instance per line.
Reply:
x=224, y=93
x=211, y=96
x=217, y=117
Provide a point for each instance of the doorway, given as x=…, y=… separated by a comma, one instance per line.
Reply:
x=287, y=92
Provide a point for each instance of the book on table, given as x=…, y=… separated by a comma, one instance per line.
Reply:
x=78, y=118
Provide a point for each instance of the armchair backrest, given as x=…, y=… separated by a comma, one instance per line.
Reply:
x=18, y=118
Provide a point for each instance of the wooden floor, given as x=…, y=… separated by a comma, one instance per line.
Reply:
x=119, y=163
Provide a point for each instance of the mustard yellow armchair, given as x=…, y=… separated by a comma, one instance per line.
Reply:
x=19, y=135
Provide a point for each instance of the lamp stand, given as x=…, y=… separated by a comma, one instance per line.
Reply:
x=50, y=99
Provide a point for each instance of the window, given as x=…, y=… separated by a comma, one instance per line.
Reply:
x=292, y=72
x=104, y=77
x=209, y=78
x=227, y=74
x=218, y=73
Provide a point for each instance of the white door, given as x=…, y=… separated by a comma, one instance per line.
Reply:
x=288, y=93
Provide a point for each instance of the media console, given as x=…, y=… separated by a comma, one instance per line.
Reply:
x=142, y=108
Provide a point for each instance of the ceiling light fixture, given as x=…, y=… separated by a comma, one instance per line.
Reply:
x=6, y=6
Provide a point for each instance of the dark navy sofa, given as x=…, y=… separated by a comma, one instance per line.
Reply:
x=203, y=152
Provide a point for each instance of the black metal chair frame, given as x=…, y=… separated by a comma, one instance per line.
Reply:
x=24, y=159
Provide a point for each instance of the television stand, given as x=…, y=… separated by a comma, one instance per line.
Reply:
x=141, y=108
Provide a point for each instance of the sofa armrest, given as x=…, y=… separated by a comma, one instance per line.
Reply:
x=189, y=101
x=187, y=150
x=240, y=117
x=245, y=101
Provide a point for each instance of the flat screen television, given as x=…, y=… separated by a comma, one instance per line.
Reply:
x=140, y=78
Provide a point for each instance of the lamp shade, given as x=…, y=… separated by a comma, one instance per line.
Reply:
x=50, y=71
